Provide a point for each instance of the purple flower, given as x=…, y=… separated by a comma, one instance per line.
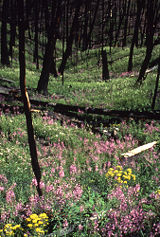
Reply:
x=73, y=169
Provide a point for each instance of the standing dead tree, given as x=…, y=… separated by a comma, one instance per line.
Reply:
x=4, y=47
x=140, y=6
x=25, y=98
x=52, y=35
x=152, y=16
x=156, y=86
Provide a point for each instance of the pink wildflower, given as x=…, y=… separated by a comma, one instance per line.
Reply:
x=42, y=185
x=81, y=208
x=96, y=168
x=65, y=223
x=3, y=178
x=77, y=191
x=10, y=196
x=49, y=188
x=80, y=227
x=61, y=172
x=1, y=188
x=34, y=182
x=73, y=169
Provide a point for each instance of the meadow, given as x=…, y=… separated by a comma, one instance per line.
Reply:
x=89, y=188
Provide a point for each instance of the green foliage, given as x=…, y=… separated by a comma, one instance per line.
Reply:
x=68, y=146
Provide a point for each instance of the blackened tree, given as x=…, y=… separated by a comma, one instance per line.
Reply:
x=26, y=102
x=127, y=9
x=105, y=71
x=156, y=86
x=4, y=47
x=152, y=16
x=50, y=46
x=70, y=39
x=36, y=33
x=13, y=23
x=140, y=5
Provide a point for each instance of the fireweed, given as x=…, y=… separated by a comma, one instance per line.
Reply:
x=77, y=195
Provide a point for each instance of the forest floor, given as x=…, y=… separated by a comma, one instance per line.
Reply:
x=89, y=188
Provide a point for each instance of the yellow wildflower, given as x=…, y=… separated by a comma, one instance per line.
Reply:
x=36, y=225
x=35, y=221
x=8, y=226
x=9, y=233
x=119, y=180
x=43, y=215
x=127, y=177
x=30, y=225
x=158, y=191
x=33, y=216
x=116, y=171
x=129, y=171
x=133, y=176
x=16, y=227
x=40, y=222
x=39, y=230
x=110, y=173
x=119, y=173
x=119, y=167
x=28, y=219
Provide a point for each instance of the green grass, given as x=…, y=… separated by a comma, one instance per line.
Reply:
x=82, y=195
x=83, y=84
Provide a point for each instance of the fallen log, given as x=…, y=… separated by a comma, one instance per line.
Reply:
x=14, y=93
x=6, y=80
x=138, y=150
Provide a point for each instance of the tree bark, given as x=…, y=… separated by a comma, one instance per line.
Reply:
x=84, y=43
x=26, y=102
x=70, y=39
x=88, y=38
x=135, y=34
x=50, y=46
x=156, y=86
x=105, y=71
x=149, y=40
x=4, y=48
x=35, y=56
x=126, y=22
x=12, y=27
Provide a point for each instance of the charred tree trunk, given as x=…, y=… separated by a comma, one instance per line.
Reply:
x=143, y=30
x=120, y=21
x=126, y=22
x=50, y=46
x=111, y=25
x=28, y=9
x=84, y=47
x=91, y=26
x=44, y=77
x=105, y=71
x=26, y=102
x=4, y=48
x=53, y=70
x=149, y=40
x=70, y=39
x=12, y=27
x=36, y=10
x=156, y=86
x=135, y=34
